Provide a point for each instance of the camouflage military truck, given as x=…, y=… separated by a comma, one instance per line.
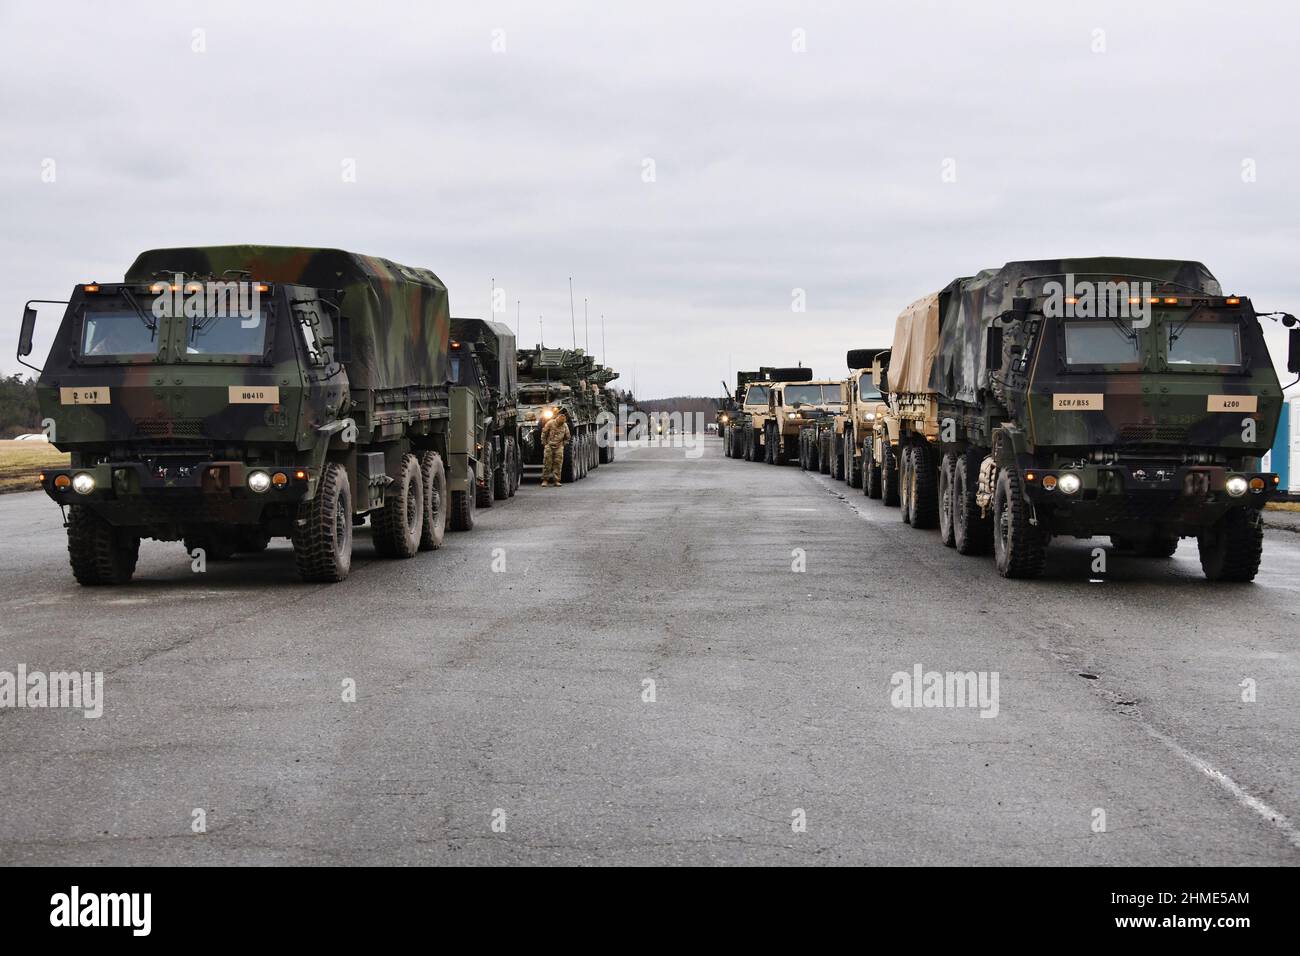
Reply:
x=1102, y=396
x=483, y=360
x=791, y=405
x=323, y=398
x=552, y=379
x=755, y=410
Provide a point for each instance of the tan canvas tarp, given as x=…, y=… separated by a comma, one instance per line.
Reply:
x=916, y=343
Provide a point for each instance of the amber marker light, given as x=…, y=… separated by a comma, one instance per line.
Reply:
x=62, y=482
x=1049, y=483
x=300, y=474
x=279, y=479
x=1233, y=301
x=1171, y=300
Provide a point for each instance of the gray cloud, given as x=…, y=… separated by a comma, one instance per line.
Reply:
x=775, y=170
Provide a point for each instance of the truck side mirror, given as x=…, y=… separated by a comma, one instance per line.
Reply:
x=1293, y=353
x=342, y=339
x=883, y=384
x=29, y=328
x=993, y=350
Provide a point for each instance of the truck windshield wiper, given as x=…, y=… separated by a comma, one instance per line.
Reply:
x=149, y=323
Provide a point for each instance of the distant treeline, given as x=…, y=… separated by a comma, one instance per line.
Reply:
x=687, y=406
x=18, y=410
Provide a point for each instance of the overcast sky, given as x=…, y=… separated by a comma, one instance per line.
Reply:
x=1072, y=129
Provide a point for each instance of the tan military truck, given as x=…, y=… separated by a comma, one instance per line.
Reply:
x=873, y=427
x=752, y=424
x=905, y=441
x=854, y=424
x=791, y=406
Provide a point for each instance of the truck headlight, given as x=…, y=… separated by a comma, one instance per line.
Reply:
x=1068, y=483
x=83, y=483
x=871, y=416
x=725, y=419
x=259, y=481
x=791, y=414
x=1236, y=486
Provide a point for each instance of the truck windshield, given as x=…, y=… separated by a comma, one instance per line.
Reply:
x=1099, y=343
x=118, y=331
x=867, y=392
x=1204, y=343
x=756, y=395
x=812, y=395
x=226, y=335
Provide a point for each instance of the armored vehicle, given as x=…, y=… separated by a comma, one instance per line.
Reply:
x=549, y=380
x=1080, y=397
x=483, y=359
x=323, y=396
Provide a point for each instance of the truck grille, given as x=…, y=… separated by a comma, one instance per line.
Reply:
x=170, y=428
x=1161, y=433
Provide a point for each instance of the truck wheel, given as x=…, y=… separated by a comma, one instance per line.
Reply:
x=1230, y=551
x=853, y=467
x=594, y=447
x=870, y=473
x=462, y=510
x=501, y=475
x=947, y=466
x=397, y=526
x=434, y=475
x=972, y=531
x=1018, y=546
x=825, y=458
x=924, y=493
x=888, y=474
x=218, y=544
x=837, y=458
x=905, y=469
x=759, y=450
x=98, y=552
x=322, y=543
x=568, y=470
x=483, y=492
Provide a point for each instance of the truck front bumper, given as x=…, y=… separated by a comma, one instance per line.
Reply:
x=131, y=493
x=1123, y=497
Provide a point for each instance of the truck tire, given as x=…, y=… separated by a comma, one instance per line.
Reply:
x=825, y=457
x=483, y=492
x=396, y=528
x=569, y=469
x=905, y=483
x=434, y=475
x=924, y=488
x=870, y=472
x=462, y=510
x=1018, y=546
x=837, y=458
x=947, y=469
x=595, y=449
x=98, y=552
x=501, y=474
x=803, y=452
x=888, y=474
x=972, y=530
x=322, y=541
x=852, y=465
x=218, y=544
x=759, y=453
x=1230, y=551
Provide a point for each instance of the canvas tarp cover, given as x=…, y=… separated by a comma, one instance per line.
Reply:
x=916, y=342
x=400, y=322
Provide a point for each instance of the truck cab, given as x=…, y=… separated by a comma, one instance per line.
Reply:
x=791, y=405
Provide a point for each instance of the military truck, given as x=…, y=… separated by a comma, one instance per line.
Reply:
x=549, y=380
x=321, y=399
x=1095, y=396
x=733, y=420
x=855, y=424
x=877, y=481
x=482, y=358
x=817, y=439
x=751, y=428
x=728, y=411
x=791, y=405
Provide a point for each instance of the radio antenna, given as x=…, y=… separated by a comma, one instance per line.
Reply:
x=573, y=327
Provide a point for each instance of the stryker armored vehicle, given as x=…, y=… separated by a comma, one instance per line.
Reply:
x=226, y=395
x=482, y=358
x=549, y=380
x=1080, y=397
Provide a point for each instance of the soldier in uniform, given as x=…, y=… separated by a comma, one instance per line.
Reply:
x=555, y=434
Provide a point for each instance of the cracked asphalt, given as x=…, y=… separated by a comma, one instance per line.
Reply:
x=518, y=696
